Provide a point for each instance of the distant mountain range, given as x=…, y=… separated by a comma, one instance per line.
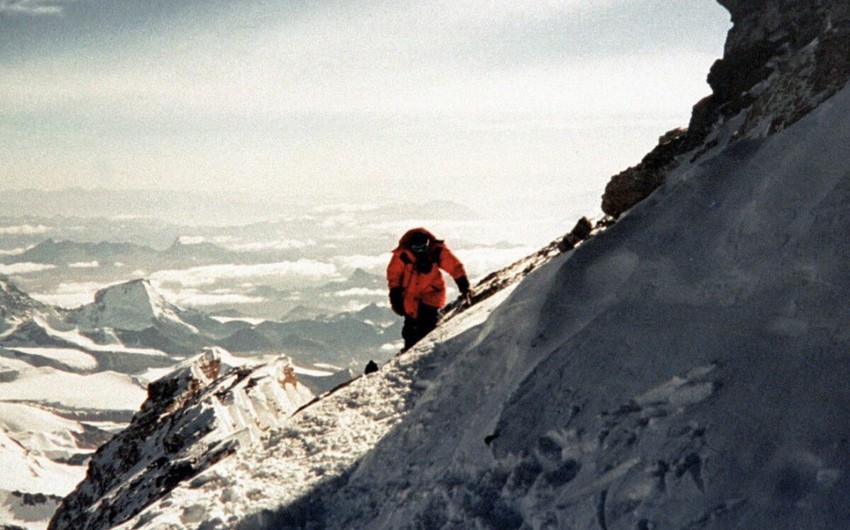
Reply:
x=107, y=254
x=134, y=315
x=305, y=259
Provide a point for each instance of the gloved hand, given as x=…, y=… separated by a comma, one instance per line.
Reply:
x=397, y=301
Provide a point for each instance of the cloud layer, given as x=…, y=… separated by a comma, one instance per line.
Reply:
x=303, y=269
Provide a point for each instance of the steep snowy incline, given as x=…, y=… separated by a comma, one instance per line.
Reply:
x=687, y=369
x=314, y=450
x=212, y=484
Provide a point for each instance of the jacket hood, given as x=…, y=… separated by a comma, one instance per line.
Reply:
x=402, y=243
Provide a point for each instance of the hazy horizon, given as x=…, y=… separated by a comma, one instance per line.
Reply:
x=526, y=101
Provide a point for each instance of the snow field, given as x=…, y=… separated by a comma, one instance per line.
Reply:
x=99, y=391
x=27, y=470
x=72, y=358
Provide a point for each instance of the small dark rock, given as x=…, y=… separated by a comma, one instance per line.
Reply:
x=371, y=368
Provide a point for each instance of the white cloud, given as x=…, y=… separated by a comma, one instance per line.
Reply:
x=24, y=268
x=210, y=274
x=23, y=230
x=361, y=261
x=345, y=208
x=283, y=244
x=352, y=306
x=63, y=300
x=359, y=291
x=34, y=7
x=194, y=298
x=71, y=294
x=85, y=265
x=191, y=240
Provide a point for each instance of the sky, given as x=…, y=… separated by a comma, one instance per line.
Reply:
x=499, y=103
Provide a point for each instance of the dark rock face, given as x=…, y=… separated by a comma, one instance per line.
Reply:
x=782, y=58
x=156, y=430
x=631, y=186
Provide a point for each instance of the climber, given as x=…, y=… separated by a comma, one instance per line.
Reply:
x=417, y=288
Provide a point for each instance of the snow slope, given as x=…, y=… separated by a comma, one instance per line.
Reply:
x=51, y=419
x=688, y=368
x=318, y=444
x=186, y=428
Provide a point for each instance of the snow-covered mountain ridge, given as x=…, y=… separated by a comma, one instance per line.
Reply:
x=135, y=315
x=132, y=306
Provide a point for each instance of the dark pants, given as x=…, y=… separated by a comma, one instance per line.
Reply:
x=416, y=328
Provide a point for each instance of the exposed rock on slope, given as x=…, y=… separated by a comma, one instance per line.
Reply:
x=192, y=418
x=782, y=58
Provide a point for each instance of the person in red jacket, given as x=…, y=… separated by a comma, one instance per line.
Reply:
x=417, y=288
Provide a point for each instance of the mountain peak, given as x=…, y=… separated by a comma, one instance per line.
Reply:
x=359, y=273
x=14, y=302
x=138, y=290
x=361, y=276
x=133, y=305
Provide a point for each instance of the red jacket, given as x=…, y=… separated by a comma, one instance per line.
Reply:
x=417, y=286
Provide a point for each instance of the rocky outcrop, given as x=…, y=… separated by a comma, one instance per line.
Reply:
x=782, y=58
x=631, y=186
x=193, y=418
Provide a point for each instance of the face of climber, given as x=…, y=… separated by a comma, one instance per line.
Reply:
x=419, y=243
